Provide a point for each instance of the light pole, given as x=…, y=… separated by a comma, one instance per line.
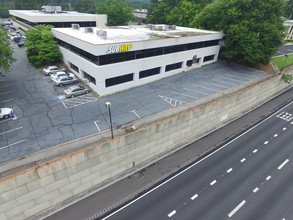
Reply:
x=108, y=105
x=286, y=55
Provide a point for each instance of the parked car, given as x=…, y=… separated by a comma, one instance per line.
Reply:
x=76, y=90
x=6, y=27
x=51, y=69
x=12, y=35
x=5, y=112
x=55, y=75
x=18, y=38
x=21, y=43
x=63, y=80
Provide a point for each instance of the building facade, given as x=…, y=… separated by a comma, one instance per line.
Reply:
x=119, y=58
x=289, y=29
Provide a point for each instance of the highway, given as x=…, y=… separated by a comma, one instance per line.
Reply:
x=250, y=177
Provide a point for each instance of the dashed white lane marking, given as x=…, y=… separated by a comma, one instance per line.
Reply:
x=172, y=213
x=284, y=129
x=194, y=197
x=242, y=160
x=213, y=183
x=255, y=190
x=283, y=164
x=276, y=135
x=254, y=151
x=11, y=130
x=228, y=171
x=8, y=100
x=236, y=209
x=266, y=142
x=268, y=178
x=292, y=123
x=18, y=142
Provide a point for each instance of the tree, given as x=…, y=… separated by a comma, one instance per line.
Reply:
x=289, y=9
x=86, y=6
x=41, y=47
x=253, y=29
x=6, y=51
x=119, y=11
x=183, y=14
x=5, y=6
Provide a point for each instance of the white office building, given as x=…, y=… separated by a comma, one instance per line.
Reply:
x=118, y=58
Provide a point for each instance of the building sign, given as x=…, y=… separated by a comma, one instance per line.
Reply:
x=119, y=48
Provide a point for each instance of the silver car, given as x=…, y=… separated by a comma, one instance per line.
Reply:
x=51, y=69
x=63, y=80
x=76, y=90
x=55, y=75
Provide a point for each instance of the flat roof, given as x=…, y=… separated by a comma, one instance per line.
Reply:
x=119, y=34
x=43, y=14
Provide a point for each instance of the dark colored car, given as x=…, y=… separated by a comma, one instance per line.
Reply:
x=19, y=38
x=21, y=43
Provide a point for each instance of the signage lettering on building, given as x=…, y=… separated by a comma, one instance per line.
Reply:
x=119, y=48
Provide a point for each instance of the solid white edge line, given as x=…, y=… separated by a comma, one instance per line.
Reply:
x=283, y=164
x=228, y=171
x=255, y=190
x=199, y=161
x=172, y=213
x=236, y=209
x=194, y=197
x=213, y=182
x=268, y=177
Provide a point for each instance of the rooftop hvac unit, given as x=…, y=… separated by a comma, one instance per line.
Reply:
x=75, y=26
x=88, y=30
x=151, y=26
x=102, y=33
x=51, y=9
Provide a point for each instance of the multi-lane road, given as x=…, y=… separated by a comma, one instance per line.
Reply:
x=250, y=177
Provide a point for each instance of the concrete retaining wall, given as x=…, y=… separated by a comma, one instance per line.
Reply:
x=42, y=187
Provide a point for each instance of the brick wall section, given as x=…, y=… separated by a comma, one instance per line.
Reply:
x=59, y=182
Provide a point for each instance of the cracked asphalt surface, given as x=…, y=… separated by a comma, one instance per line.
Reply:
x=46, y=118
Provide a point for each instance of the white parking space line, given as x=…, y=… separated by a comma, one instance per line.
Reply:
x=15, y=129
x=8, y=100
x=3, y=86
x=185, y=95
x=3, y=93
x=172, y=213
x=73, y=102
x=236, y=209
x=134, y=112
x=2, y=121
x=194, y=197
x=18, y=142
x=228, y=78
x=240, y=77
x=216, y=90
x=225, y=82
x=283, y=164
x=170, y=101
x=219, y=85
x=196, y=91
x=96, y=123
x=2, y=80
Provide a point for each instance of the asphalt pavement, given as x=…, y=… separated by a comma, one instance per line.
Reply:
x=118, y=194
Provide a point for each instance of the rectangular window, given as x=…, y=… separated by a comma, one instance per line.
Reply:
x=89, y=77
x=208, y=58
x=173, y=66
x=149, y=72
x=119, y=79
x=74, y=67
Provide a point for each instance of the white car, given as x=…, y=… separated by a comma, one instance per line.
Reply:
x=58, y=74
x=5, y=112
x=51, y=69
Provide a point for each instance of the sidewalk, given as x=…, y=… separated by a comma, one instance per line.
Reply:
x=114, y=196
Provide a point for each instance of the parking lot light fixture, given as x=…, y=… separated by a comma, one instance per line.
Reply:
x=286, y=57
x=108, y=105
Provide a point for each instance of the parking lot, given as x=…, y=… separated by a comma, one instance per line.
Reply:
x=47, y=118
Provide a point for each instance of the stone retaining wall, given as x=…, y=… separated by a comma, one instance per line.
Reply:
x=49, y=184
